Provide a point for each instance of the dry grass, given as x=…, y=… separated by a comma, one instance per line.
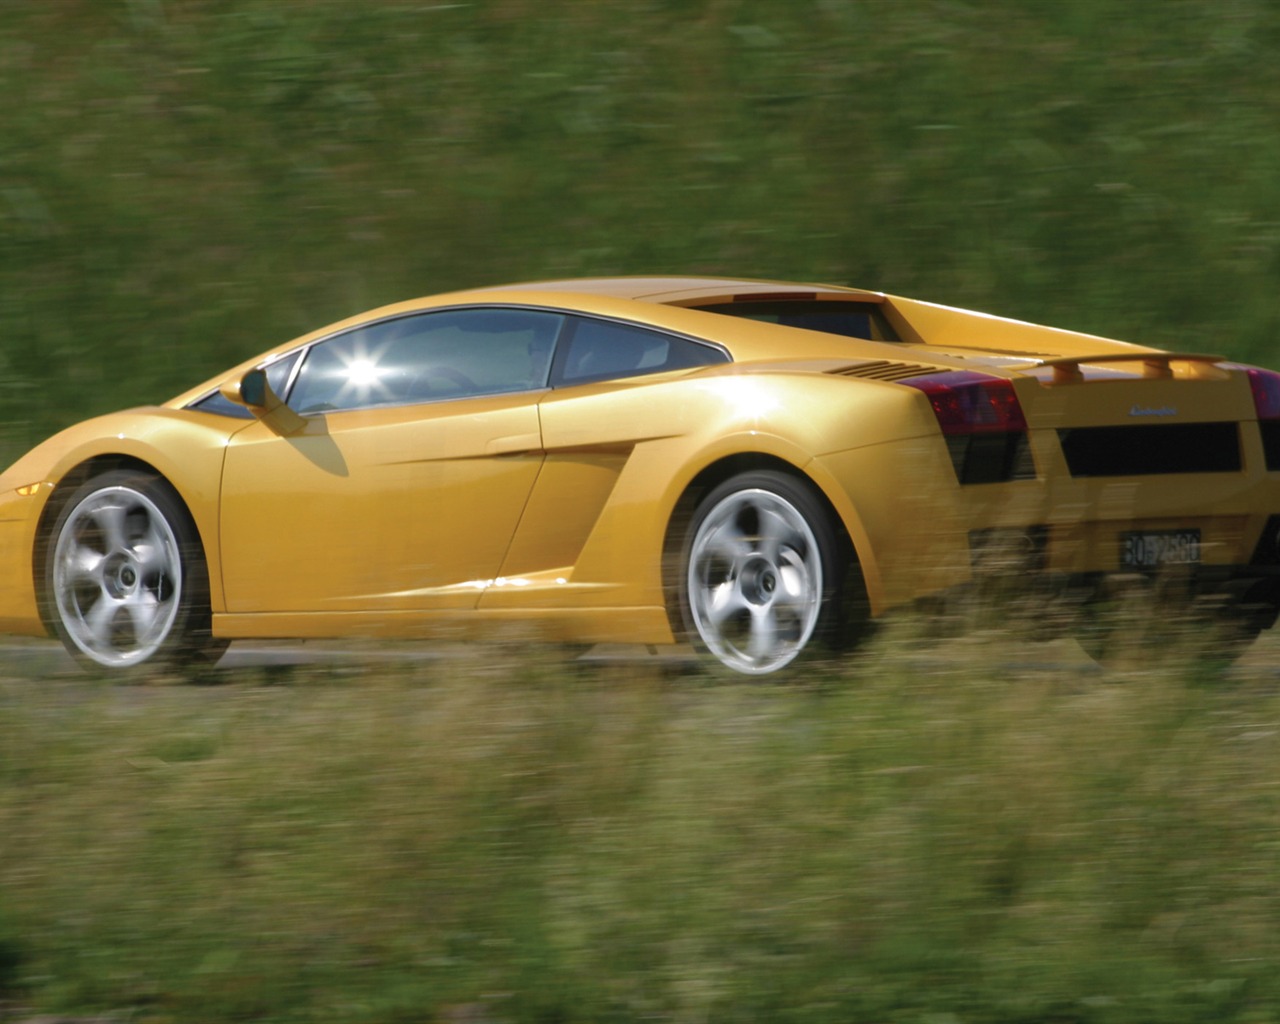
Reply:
x=955, y=832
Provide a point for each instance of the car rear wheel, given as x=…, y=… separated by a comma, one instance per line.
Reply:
x=1156, y=623
x=125, y=576
x=759, y=573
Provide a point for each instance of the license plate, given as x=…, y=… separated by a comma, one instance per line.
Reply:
x=1148, y=549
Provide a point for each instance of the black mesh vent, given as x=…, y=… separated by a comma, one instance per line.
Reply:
x=847, y=319
x=991, y=458
x=884, y=369
x=1151, y=449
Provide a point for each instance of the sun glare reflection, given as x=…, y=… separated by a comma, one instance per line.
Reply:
x=362, y=373
x=364, y=377
x=746, y=397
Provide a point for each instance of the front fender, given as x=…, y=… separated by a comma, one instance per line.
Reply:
x=185, y=448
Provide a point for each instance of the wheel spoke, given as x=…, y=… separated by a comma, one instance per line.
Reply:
x=110, y=520
x=722, y=602
x=775, y=532
x=82, y=565
x=101, y=620
x=143, y=611
x=762, y=644
x=727, y=540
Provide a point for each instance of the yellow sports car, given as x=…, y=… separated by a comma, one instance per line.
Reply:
x=757, y=467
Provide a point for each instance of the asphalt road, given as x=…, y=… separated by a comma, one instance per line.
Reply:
x=46, y=659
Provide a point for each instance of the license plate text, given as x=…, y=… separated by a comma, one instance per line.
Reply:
x=1147, y=549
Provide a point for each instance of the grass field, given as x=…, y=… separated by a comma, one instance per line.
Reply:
x=968, y=831
x=937, y=838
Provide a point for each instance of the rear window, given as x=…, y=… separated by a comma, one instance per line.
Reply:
x=847, y=319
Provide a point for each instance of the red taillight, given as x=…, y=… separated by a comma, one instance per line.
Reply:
x=1265, y=385
x=966, y=402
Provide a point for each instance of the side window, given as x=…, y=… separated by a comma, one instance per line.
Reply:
x=277, y=376
x=603, y=350
x=428, y=357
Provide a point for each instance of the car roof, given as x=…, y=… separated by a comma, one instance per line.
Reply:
x=682, y=291
x=618, y=296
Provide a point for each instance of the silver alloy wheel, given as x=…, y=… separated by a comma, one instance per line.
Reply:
x=754, y=581
x=117, y=576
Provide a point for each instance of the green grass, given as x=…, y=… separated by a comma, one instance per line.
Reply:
x=918, y=837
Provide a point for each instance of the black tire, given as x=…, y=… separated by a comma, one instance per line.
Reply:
x=761, y=574
x=1156, y=623
x=125, y=580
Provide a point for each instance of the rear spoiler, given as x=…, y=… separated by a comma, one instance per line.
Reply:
x=1066, y=369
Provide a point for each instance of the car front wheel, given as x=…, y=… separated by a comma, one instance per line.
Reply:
x=125, y=577
x=759, y=573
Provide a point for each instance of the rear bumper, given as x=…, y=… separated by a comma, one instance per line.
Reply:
x=1240, y=590
x=919, y=532
x=1213, y=601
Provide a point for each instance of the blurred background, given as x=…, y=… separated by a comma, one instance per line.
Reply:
x=186, y=182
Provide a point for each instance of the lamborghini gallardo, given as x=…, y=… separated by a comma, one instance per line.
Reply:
x=760, y=469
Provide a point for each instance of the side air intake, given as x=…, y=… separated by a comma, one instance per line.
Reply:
x=884, y=369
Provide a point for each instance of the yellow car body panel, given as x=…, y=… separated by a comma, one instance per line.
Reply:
x=19, y=516
x=407, y=507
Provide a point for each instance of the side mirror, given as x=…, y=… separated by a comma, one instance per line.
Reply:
x=252, y=390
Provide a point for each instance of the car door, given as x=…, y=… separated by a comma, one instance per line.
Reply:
x=403, y=489
x=578, y=534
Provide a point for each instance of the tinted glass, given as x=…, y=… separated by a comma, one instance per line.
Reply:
x=428, y=357
x=604, y=350
x=847, y=319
